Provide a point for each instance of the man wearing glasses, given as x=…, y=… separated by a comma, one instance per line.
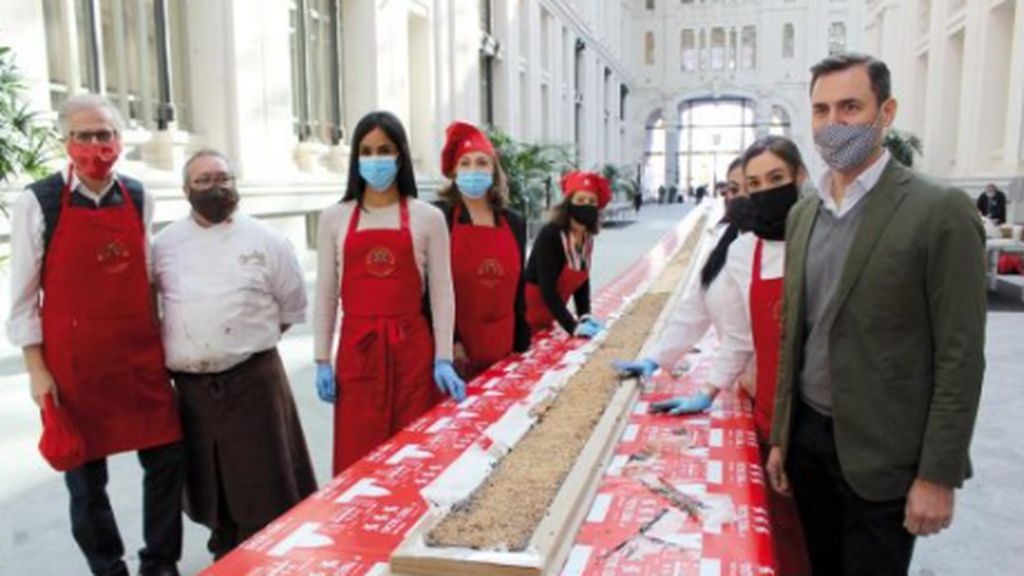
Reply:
x=82, y=311
x=230, y=286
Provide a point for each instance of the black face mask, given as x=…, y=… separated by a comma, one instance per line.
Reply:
x=585, y=214
x=769, y=211
x=739, y=212
x=214, y=204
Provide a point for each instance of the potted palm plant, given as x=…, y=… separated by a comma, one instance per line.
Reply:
x=26, y=145
x=533, y=171
x=903, y=146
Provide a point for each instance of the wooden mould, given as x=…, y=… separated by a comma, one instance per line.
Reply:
x=552, y=540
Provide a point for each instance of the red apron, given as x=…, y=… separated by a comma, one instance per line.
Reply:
x=486, y=266
x=386, y=351
x=537, y=313
x=101, y=340
x=766, y=325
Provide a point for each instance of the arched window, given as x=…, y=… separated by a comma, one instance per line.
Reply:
x=649, y=48
x=712, y=133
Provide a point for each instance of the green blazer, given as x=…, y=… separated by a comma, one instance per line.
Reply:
x=906, y=346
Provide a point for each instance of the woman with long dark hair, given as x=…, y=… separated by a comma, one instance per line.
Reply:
x=488, y=252
x=751, y=277
x=378, y=252
x=710, y=299
x=560, y=263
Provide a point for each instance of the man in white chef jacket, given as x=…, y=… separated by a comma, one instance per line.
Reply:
x=229, y=287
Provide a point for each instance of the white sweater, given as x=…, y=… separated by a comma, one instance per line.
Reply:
x=431, y=244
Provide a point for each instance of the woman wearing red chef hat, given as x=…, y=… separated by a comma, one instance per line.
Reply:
x=560, y=262
x=488, y=251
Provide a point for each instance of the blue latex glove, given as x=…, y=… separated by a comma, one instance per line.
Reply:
x=644, y=368
x=593, y=320
x=447, y=381
x=698, y=402
x=325, y=387
x=587, y=329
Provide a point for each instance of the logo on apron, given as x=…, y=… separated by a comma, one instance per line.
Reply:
x=113, y=257
x=490, y=272
x=380, y=262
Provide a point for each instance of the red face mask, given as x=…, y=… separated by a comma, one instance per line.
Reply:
x=94, y=160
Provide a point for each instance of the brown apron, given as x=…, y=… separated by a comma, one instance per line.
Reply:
x=242, y=432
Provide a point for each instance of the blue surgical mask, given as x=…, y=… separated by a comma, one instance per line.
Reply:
x=378, y=171
x=474, y=183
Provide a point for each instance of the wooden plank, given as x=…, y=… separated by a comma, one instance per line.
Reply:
x=554, y=535
x=552, y=540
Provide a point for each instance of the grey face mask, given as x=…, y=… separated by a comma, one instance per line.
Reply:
x=844, y=147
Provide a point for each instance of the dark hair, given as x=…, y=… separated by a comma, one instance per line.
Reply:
x=560, y=216
x=881, y=80
x=392, y=127
x=780, y=146
x=497, y=196
x=736, y=214
x=737, y=162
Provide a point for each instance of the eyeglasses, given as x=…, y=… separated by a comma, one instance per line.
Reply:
x=211, y=180
x=87, y=136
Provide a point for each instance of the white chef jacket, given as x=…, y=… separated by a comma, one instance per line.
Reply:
x=725, y=305
x=225, y=291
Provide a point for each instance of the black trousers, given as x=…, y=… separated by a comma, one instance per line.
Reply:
x=92, y=519
x=846, y=534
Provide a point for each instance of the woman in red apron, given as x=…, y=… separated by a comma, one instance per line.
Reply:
x=378, y=251
x=773, y=169
x=559, y=265
x=488, y=252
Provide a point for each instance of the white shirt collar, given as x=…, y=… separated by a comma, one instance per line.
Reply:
x=77, y=186
x=856, y=190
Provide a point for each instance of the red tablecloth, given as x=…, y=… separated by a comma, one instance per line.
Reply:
x=351, y=526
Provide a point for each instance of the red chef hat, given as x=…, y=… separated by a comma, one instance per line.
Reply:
x=462, y=138
x=60, y=444
x=589, y=181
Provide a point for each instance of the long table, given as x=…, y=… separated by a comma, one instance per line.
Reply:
x=351, y=526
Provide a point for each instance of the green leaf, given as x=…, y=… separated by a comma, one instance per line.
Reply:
x=26, y=144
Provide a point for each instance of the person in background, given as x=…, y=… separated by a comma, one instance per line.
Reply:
x=992, y=204
x=488, y=242
x=82, y=311
x=559, y=265
x=882, y=357
x=229, y=287
x=379, y=251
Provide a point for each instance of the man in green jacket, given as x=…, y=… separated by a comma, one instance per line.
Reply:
x=882, y=356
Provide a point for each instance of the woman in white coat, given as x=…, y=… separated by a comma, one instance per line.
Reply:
x=712, y=298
